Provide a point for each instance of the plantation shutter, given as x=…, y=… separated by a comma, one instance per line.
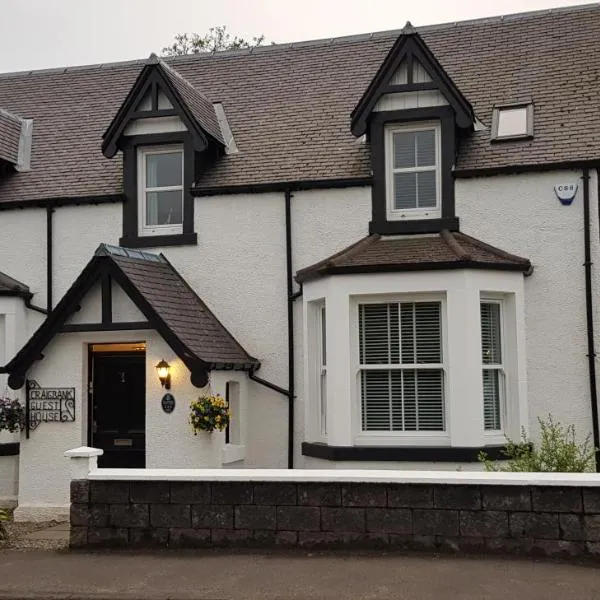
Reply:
x=491, y=358
x=400, y=353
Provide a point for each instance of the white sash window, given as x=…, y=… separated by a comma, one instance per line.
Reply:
x=401, y=366
x=413, y=156
x=160, y=185
x=492, y=366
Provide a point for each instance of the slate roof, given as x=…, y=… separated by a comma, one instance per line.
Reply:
x=167, y=301
x=11, y=287
x=176, y=303
x=446, y=250
x=10, y=132
x=200, y=106
x=289, y=105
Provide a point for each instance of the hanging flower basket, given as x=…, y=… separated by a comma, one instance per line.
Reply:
x=12, y=415
x=208, y=413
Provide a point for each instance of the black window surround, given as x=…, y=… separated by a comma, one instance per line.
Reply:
x=131, y=236
x=448, y=220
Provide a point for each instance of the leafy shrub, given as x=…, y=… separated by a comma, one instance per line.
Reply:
x=4, y=517
x=557, y=452
x=209, y=413
x=12, y=415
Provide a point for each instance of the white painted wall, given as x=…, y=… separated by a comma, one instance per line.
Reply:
x=15, y=323
x=170, y=442
x=238, y=269
x=78, y=231
x=23, y=249
x=91, y=309
x=521, y=214
x=123, y=308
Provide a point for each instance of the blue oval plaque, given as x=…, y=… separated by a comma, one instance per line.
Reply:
x=168, y=403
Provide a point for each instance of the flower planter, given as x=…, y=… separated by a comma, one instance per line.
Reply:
x=209, y=449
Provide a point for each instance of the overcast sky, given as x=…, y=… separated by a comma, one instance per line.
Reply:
x=38, y=34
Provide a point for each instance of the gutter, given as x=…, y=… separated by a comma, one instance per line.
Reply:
x=589, y=309
x=283, y=186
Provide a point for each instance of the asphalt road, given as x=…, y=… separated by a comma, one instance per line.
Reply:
x=223, y=576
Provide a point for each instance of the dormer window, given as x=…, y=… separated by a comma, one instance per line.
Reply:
x=512, y=122
x=160, y=188
x=414, y=116
x=169, y=133
x=413, y=171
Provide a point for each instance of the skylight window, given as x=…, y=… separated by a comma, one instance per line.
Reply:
x=512, y=122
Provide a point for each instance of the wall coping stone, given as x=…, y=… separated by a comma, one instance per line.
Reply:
x=350, y=476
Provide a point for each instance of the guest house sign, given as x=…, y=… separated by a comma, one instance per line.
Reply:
x=56, y=405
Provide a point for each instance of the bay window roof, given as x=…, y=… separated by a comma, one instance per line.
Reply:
x=446, y=250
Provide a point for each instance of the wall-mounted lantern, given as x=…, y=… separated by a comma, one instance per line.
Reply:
x=164, y=373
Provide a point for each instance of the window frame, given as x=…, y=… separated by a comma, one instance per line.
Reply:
x=408, y=214
x=397, y=438
x=497, y=435
x=158, y=230
x=528, y=134
x=321, y=387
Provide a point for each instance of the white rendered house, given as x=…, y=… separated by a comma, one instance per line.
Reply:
x=380, y=249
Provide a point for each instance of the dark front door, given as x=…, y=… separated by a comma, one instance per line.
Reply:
x=118, y=408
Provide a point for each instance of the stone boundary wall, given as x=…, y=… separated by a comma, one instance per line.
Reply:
x=549, y=520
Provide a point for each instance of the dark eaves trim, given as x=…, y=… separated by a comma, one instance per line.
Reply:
x=283, y=186
x=27, y=296
x=62, y=201
x=516, y=169
x=418, y=266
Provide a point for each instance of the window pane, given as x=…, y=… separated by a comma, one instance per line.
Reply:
x=512, y=121
x=426, y=189
x=164, y=170
x=378, y=333
x=405, y=191
x=491, y=343
x=404, y=150
x=402, y=400
x=323, y=402
x=164, y=208
x=421, y=332
x=491, y=399
x=425, y=145
x=323, y=337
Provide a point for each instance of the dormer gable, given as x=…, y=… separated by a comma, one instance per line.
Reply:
x=15, y=142
x=161, y=92
x=410, y=68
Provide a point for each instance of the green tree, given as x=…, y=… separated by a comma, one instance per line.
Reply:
x=216, y=39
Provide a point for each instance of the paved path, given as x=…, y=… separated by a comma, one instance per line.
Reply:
x=222, y=576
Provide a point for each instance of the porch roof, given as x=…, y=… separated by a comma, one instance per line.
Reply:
x=162, y=295
x=446, y=250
